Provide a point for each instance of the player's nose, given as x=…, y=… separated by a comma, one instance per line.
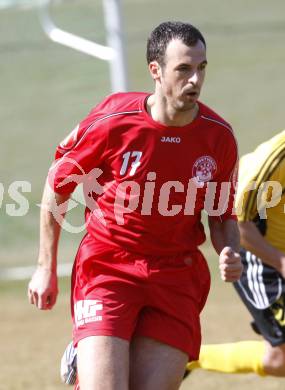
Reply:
x=194, y=78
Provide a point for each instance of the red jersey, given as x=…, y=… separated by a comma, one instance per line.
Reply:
x=145, y=183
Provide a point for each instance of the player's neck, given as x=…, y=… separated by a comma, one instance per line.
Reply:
x=164, y=113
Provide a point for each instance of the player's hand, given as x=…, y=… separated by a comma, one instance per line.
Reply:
x=230, y=265
x=42, y=289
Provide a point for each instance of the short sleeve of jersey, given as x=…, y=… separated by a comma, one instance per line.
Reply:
x=81, y=151
x=226, y=183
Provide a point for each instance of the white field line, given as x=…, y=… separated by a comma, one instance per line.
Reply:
x=23, y=4
x=22, y=273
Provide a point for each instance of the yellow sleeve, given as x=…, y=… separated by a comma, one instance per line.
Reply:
x=256, y=190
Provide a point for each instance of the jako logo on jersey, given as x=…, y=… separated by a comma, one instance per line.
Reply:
x=87, y=311
x=173, y=140
x=204, y=169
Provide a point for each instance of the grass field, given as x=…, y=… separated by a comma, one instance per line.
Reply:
x=46, y=89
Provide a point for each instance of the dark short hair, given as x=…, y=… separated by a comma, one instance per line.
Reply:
x=166, y=32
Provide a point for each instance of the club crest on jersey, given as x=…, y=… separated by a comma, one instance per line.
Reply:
x=173, y=140
x=70, y=140
x=204, y=169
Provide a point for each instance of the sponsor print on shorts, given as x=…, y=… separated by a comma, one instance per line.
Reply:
x=88, y=310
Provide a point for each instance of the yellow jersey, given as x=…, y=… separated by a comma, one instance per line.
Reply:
x=261, y=189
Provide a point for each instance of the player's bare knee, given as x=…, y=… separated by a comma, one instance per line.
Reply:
x=155, y=383
x=274, y=361
x=154, y=365
x=103, y=363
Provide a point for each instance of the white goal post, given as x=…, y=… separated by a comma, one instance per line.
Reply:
x=114, y=53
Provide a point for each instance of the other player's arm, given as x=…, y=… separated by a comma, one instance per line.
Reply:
x=42, y=289
x=252, y=240
x=225, y=239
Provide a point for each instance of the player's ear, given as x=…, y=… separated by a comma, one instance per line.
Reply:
x=155, y=70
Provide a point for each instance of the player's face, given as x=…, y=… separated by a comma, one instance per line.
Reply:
x=183, y=74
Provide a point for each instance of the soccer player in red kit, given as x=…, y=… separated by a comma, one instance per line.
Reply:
x=148, y=164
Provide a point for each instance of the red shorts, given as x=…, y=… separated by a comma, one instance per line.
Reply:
x=117, y=293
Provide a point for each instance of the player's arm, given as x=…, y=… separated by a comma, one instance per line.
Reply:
x=75, y=157
x=223, y=227
x=42, y=289
x=252, y=240
x=225, y=239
